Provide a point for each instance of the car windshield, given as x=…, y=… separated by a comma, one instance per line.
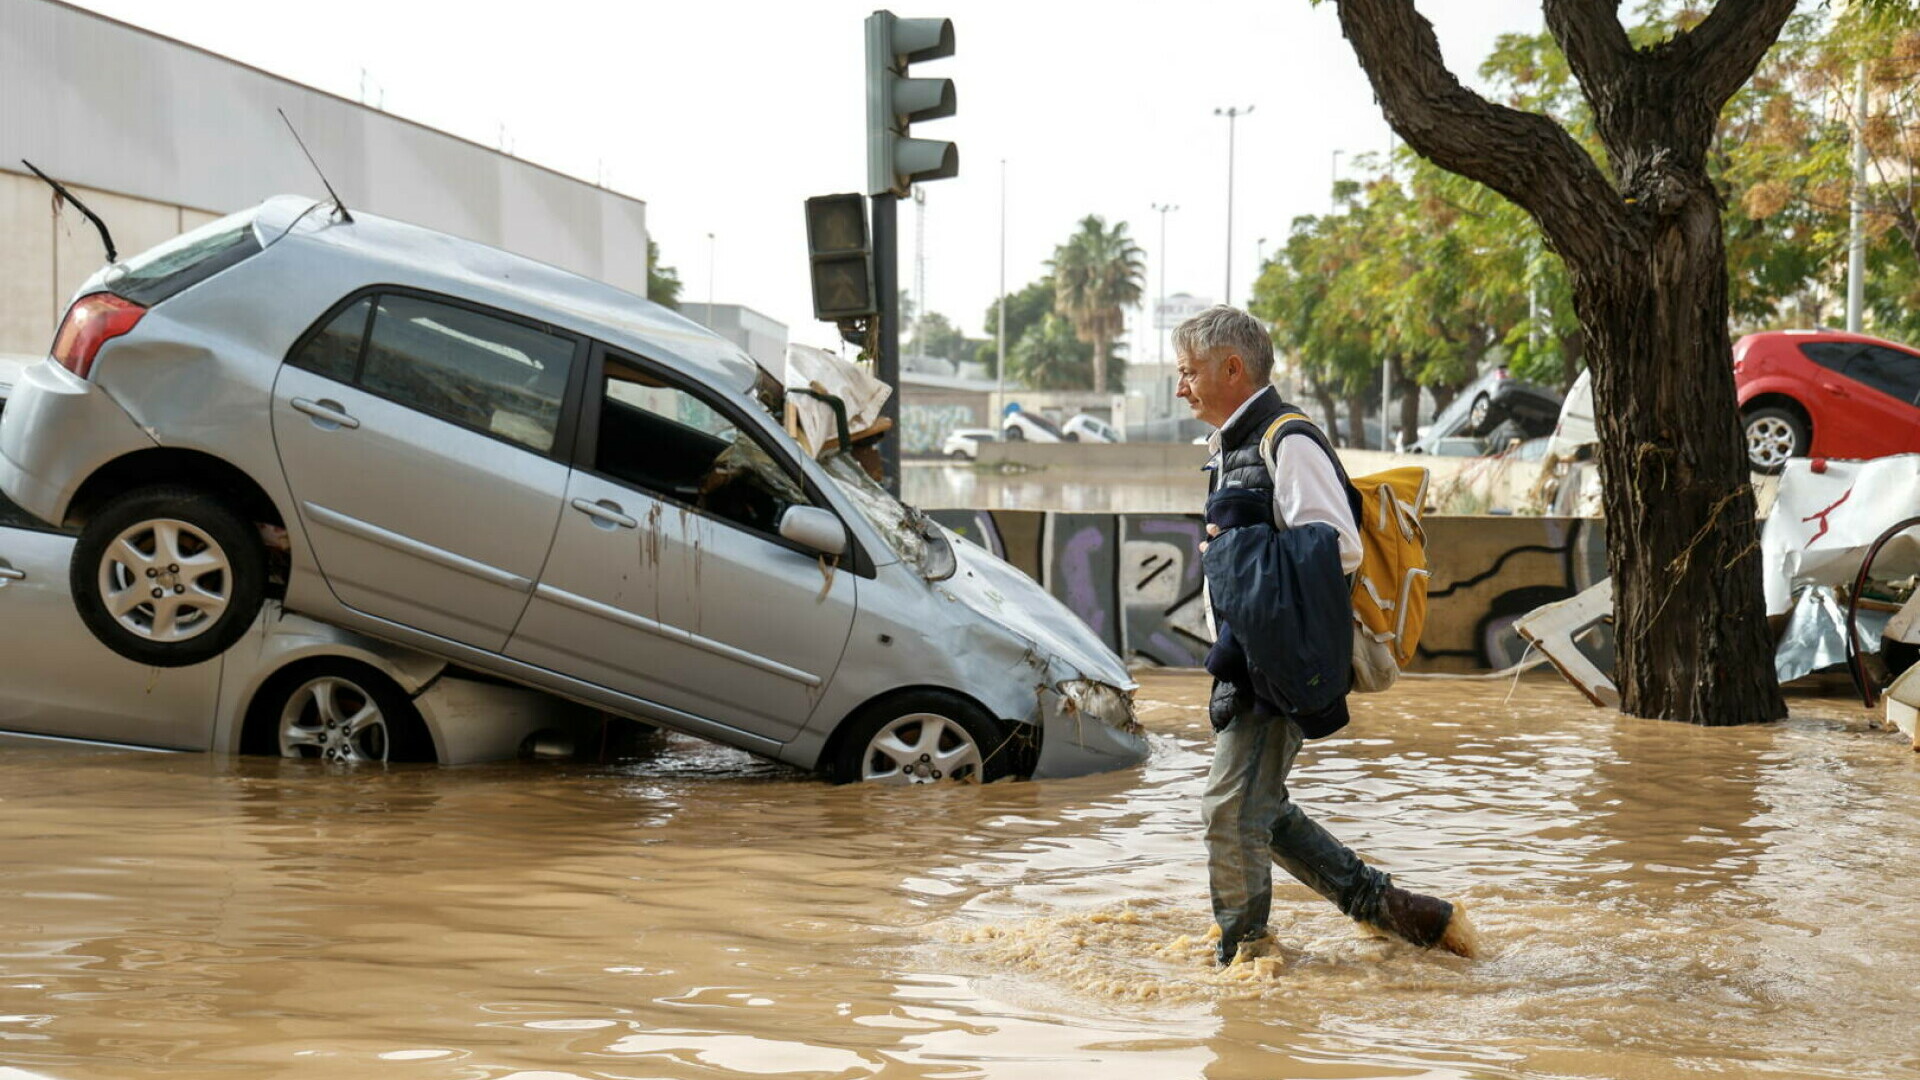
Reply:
x=916, y=538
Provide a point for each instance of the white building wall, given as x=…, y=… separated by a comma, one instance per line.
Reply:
x=157, y=136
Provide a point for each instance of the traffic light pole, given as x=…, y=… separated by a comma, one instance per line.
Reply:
x=886, y=282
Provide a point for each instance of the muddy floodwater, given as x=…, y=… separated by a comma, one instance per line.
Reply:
x=1656, y=901
x=934, y=485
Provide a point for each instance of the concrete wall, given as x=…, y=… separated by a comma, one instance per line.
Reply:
x=157, y=136
x=1135, y=578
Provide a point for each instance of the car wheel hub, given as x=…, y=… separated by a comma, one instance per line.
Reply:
x=165, y=580
x=922, y=748
x=333, y=719
x=1769, y=441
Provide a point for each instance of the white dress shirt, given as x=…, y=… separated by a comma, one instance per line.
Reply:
x=1305, y=488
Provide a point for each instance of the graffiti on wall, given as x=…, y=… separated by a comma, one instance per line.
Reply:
x=927, y=426
x=1135, y=578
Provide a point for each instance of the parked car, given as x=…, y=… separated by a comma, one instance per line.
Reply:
x=964, y=443
x=1825, y=393
x=289, y=686
x=1019, y=425
x=533, y=476
x=1489, y=401
x=1081, y=427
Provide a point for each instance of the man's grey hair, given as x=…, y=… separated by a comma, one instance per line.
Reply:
x=1221, y=329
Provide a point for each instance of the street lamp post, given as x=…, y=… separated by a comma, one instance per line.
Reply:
x=1159, y=312
x=1333, y=197
x=1231, y=113
x=1000, y=331
x=711, y=247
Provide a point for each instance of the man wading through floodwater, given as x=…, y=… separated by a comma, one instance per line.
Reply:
x=1225, y=361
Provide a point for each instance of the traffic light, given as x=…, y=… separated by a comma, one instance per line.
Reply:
x=896, y=162
x=842, y=259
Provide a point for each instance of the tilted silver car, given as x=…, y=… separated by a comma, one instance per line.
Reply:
x=533, y=475
x=290, y=686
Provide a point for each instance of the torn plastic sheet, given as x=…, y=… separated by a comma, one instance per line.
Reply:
x=1826, y=515
x=823, y=372
x=1816, y=635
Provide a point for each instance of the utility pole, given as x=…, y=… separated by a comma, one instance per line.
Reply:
x=920, y=271
x=1857, y=235
x=1231, y=113
x=1159, y=311
x=1000, y=332
x=712, y=248
x=1333, y=197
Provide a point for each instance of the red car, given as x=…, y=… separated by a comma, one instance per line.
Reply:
x=1825, y=393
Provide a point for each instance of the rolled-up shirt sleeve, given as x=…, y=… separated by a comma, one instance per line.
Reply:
x=1306, y=488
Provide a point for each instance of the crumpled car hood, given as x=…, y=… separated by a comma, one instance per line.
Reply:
x=997, y=590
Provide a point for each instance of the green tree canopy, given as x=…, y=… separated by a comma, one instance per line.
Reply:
x=1097, y=274
x=663, y=282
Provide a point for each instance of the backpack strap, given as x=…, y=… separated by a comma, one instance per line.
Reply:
x=1295, y=423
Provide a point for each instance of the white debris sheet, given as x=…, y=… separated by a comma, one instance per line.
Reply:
x=1827, y=514
x=811, y=420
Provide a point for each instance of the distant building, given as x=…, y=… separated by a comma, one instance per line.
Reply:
x=764, y=338
x=159, y=137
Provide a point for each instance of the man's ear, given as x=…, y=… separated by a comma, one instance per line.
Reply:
x=1232, y=366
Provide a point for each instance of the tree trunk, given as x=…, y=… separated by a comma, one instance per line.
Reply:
x=1329, y=411
x=1692, y=633
x=1648, y=264
x=1099, y=363
x=1357, y=420
x=1409, y=406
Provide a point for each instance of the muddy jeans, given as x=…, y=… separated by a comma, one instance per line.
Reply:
x=1250, y=819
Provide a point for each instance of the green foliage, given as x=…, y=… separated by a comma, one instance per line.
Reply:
x=1097, y=274
x=1050, y=356
x=663, y=282
x=939, y=338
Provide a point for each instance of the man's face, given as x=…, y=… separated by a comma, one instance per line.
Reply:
x=1212, y=387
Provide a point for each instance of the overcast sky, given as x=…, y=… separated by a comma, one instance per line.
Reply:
x=724, y=115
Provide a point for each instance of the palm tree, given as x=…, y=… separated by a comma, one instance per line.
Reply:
x=1097, y=274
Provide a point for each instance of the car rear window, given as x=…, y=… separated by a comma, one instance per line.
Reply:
x=185, y=261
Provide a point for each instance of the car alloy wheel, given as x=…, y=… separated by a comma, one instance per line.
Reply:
x=1477, y=414
x=1771, y=440
x=165, y=580
x=922, y=748
x=334, y=718
x=168, y=575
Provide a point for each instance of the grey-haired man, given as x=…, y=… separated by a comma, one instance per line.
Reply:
x=1225, y=362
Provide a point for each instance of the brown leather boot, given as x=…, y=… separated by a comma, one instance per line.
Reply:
x=1426, y=921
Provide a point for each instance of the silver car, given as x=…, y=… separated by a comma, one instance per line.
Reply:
x=531, y=475
x=290, y=686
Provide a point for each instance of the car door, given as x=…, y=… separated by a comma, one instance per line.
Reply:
x=1891, y=381
x=420, y=438
x=56, y=679
x=669, y=580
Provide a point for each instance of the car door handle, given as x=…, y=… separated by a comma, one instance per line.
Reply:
x=328, y=411
x=606, y=513
x=1834, y=388
x=8, y=573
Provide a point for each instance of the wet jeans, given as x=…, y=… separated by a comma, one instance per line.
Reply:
x=1250, y=819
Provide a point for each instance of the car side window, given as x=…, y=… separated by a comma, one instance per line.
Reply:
x=1890, y=371
x=669, y=441
x=334, y=351
x=491, y=374
x=1832, y=355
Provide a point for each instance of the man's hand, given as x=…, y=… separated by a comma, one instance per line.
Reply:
x=1212, y=531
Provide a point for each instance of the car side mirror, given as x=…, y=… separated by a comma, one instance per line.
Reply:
x=816, y=528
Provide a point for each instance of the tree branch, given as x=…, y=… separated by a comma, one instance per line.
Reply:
x=1718, y=56
x=1524, y=156
x=1591, y=37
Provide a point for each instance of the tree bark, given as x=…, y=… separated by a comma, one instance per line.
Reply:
x=1357, y=420
x=1409, y=404
x=1648, y=266
x=1099, y=364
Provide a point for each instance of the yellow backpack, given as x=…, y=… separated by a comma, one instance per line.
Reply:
x=1390, y=585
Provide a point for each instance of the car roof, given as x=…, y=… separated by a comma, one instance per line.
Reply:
x=1827, y=335
x=395, y=252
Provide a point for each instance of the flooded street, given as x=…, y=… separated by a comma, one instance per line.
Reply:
x=1656, y=901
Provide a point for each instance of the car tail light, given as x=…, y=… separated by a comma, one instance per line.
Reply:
x=91, y=322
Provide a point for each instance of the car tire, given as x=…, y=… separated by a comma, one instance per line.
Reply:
x=1014, y=434
x=340, y=711
x=1477, y=414
x=127, y=566
x=958, y=455
x=1773, y=434
x=921, y=737
x=1072, y=436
